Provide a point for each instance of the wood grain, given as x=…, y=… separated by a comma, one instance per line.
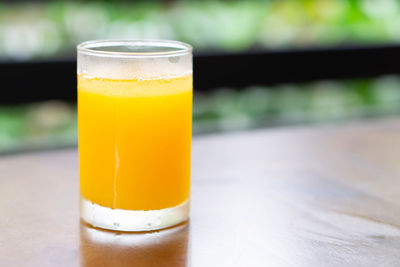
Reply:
x=308, y=196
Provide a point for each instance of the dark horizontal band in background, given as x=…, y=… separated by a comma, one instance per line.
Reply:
x=37, y=81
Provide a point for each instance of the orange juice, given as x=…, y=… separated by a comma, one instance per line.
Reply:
x=134, y=141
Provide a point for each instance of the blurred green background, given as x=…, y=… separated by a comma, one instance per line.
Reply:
x=48, y=30
x=53, y=28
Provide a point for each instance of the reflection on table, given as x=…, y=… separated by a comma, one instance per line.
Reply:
x=158, y=248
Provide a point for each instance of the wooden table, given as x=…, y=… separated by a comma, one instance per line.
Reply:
x=309, y=196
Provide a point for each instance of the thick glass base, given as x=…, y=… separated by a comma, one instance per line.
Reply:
x=132, y=220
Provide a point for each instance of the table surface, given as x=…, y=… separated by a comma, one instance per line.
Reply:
x=298, y=196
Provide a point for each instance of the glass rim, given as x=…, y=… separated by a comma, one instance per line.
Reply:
x=88, y=48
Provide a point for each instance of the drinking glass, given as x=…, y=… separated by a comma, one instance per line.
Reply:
x=135, y=128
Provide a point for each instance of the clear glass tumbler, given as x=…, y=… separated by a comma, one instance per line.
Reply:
x=135, y=128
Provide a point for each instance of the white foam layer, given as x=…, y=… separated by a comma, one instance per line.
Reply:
x=134, y=68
